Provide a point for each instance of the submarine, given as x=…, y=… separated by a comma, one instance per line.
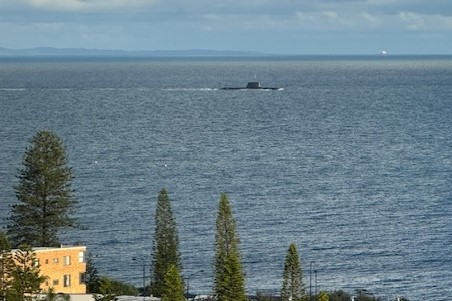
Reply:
x=252, y=86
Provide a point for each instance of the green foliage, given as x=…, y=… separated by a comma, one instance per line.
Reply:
x=92, y=278
x=173, y=289
x=229, y=277
x=166, y=243
x=110, y=288
x=5, y=246
x=120, y=288
x=44, y=194
x=52, y=296
x=339, y=296
x=26, y=278
x=364, y=295
x=292, y=286
x=6, y=265
x=323, y=296
x=105, y=290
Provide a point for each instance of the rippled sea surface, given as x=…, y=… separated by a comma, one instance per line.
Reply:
x=352, y=161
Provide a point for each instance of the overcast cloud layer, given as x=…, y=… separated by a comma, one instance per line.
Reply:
x=272, y=26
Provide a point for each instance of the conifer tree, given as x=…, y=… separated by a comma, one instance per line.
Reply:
x=166, y=243
x=92, y=278
x=25, y=276
x=229, y=278
x=44, y=194
x=106, y=290
x=173, y=289
x=6, y=265
x=292, y=286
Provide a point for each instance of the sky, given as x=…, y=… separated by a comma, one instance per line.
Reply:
x=267, y=26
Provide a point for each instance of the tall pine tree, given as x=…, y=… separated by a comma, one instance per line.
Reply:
x=173, y=289
x=166, y=243
x=44, y=194
x=292, y=286
x=229, y=282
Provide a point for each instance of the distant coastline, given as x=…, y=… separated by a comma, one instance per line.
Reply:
x=49, y=51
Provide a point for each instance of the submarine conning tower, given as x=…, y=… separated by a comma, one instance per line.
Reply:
x=253, y=85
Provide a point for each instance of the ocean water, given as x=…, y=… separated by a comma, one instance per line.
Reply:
x=352, y=161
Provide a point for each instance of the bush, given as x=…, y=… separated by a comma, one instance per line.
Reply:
x=110, y=288
x=339, y=296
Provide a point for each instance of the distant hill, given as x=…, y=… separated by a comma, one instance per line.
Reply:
x=48, y=51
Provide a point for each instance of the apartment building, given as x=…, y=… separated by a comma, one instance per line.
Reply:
x=64, y=267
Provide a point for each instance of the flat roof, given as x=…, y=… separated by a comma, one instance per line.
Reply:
x=62, y=247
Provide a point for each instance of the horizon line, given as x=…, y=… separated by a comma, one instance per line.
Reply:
x=81, y=51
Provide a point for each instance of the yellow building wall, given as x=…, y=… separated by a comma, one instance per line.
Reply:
x=64, y=268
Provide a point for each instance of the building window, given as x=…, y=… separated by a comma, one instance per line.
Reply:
x=55, y=282
x=47, y=261
x=82, y=278
x=81, y=256
x=67, y=260
x=55, y=260
x=67, y=280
